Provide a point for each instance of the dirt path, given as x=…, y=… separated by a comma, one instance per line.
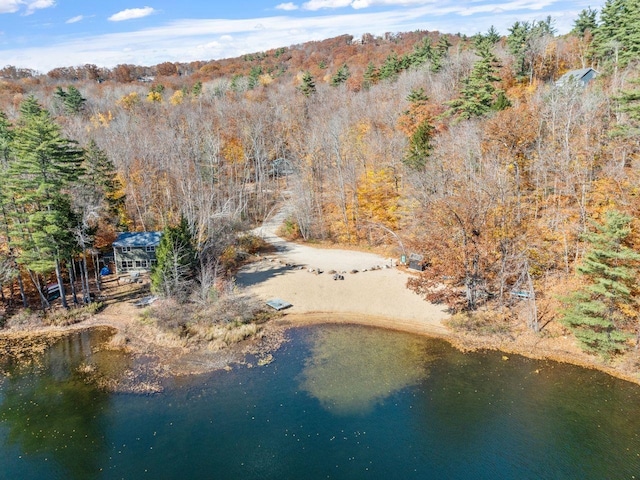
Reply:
x=376, y=294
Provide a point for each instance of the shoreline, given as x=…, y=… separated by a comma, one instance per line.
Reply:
x=462, y=342
x=199, y=360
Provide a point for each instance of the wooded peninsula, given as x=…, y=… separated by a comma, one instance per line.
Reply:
x=508, y=164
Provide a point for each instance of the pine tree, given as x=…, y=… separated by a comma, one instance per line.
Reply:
x=617, y=38
x=197, y=89
x=598, y=312
x=254, y=77
x=173, y=274
x=422, y=53
x=390, y=68
x=420, y=146
x=308, y=86
x=479, y=95
x=629, y=105
x=520, y=41
x=72, y=100
x=370, y=76
x=341, y=76
x=586, y=22
x=44, y=168
x=102, y=178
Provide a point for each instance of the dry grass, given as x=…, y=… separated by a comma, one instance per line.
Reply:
x=230, y=318
x=72, y=316
x=483, y=323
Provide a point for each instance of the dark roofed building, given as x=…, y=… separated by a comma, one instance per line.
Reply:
x=581, y=77
x=135, y=251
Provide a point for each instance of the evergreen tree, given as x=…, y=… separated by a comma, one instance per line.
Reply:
x=598, y=312
x=254, y=77
x=39, y=179
x=370, y=76
x=629, y=105
x=72, y=100
x=197, y=89
x=442, y=51
x=308, y=86
x=522, y=38
x=479, y=95
x=341, y=76
x=390, y=68
x=173, y=275
x=422, y=53
x=420, y=146
x=618, y=36
x=586, y=22
x=101, y=186
x=492, y=35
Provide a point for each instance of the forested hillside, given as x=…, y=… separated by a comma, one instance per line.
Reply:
x=517, y=190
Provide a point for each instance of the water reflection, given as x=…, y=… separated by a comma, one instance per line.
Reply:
x=350, y=377
x=53, y=410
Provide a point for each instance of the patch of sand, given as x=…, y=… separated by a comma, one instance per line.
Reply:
x=377, y=296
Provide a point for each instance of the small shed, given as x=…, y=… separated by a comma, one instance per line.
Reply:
x=416, y=262
x=135, y=251
x=581, y=77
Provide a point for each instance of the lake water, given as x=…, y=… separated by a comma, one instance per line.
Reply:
x=337, y=402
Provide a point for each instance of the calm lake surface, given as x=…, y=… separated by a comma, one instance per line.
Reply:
x=337, y=402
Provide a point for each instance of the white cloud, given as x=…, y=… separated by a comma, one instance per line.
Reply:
x=289, y=6
x=34, y=5
x=131, y=13
x=314, y=5
x=75, y=19
x=9, y=6
x=12, y=6
x=360, y=4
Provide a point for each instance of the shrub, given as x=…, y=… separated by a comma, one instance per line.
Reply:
x=290, y=229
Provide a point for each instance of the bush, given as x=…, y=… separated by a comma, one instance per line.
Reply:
x=290, y=229
x=251, y=244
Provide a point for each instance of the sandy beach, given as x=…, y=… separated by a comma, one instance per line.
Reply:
x=301, y=275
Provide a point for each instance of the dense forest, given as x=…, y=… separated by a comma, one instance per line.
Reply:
x=521, y=192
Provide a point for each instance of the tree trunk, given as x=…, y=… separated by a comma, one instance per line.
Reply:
x=87, y=298
x=63, y=296
x=72, y=281
x=44, y=302
x=96, y=271
x=25, y=304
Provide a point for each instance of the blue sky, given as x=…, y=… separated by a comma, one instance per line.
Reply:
x=44, y=34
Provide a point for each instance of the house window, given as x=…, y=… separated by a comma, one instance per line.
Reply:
x=127, y=264
x=151, y=248
x=125, y=249
x=141, y=264
x=154, y=262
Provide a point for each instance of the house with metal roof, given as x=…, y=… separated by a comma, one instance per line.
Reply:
x=581, y=77
x=135, y=251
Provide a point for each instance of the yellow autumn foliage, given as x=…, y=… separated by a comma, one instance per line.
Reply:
x=129, y=101
x=177, y=98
